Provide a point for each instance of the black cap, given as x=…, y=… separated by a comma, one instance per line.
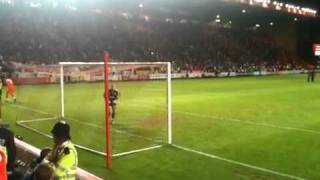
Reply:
x=61, y=129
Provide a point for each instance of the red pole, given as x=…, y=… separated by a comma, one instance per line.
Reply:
x=106, y=94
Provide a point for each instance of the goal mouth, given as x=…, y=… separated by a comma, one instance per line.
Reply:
x=142, y=119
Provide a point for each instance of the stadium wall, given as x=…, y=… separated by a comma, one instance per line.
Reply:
x=225, y=74
x=41, y=80
x=157, y=76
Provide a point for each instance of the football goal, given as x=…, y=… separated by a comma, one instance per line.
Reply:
x=137, y=118
x=134, y=116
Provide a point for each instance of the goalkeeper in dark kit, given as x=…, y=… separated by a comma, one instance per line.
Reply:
x=114, y=94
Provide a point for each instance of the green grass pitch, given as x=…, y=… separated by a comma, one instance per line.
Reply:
x=267, y=122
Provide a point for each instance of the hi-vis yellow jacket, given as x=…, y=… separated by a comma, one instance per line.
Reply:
x=67, y=162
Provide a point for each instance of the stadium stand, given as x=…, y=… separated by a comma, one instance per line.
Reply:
x=32, y=36
x=26, y=154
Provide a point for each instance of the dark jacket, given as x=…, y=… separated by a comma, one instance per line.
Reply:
x=7, y=140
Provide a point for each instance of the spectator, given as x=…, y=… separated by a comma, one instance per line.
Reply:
x=43, y=171
x=7, y=141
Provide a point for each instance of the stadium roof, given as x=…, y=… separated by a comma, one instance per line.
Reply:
x=203, y=10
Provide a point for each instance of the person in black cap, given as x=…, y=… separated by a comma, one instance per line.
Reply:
x=61, y=132
x=63, y=157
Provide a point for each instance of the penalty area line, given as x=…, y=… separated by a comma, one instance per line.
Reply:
x=238, y=163
x=37, y=120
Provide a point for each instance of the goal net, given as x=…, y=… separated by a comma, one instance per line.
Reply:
x=139, y=119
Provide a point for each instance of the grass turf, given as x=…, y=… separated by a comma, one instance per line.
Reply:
x=270, y=122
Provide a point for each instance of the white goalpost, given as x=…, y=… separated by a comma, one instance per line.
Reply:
x=107, y=66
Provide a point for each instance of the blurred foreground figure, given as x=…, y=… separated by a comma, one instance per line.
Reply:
x=3, y=163
x=7, y=145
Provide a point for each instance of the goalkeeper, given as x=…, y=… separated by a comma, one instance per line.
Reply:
x=113, y=97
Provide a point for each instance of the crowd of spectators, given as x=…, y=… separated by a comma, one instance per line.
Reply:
x=32, y=35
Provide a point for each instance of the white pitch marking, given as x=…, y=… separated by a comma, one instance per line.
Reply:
x=252, y=123
x=49, y=136
x=89, y=149
x=198, y=115
x=37, y=120
x=116, y=130
x=239, y=121
x=239, y=163
x=30, y=109
x=138, y=136
x=33, y=129
x=135, y=151
x=85, y=123
x=184, y=148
